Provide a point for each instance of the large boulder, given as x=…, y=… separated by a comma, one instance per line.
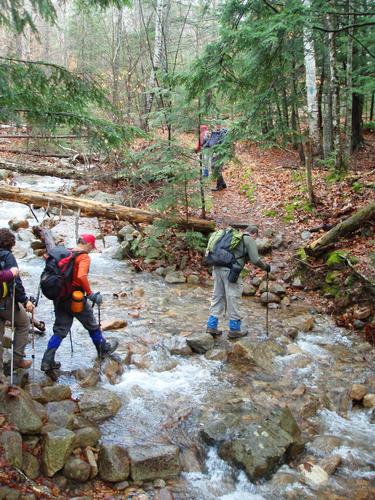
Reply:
x=175, y=277
x=99, y=404
x=153, y=462
x=254, y=439
x=113, y=463
x=20, y=411
x=260, y=354
x=87, y=436
x=200, y=342
x=159, y=360
x=61, y=413
x=178, y=345
x=57, y=446
x=303, y=322
x=11, y=444
x=87, y=377
x=58, y=392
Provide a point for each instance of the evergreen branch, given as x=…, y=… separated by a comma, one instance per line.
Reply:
x=334, y=13
x=344, y=28
x=363, y=46
x=272, y=6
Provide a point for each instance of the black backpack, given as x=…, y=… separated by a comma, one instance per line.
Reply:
x=56, y=278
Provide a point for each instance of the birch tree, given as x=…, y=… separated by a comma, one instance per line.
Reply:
x=157, y=55
x=335, y=90
x=311, y=89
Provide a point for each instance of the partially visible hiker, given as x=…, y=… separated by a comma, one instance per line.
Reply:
x=228, y=286
x=203, y=135
x=9, y=308
x=213, y=140
x=205, y=158
x=64, y=314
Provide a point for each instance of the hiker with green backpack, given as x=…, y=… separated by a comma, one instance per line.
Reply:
x=228, y=251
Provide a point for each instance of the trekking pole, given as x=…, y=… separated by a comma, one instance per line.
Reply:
x=267, y=304
x=12, y=349
x=100, y=327
x=71, y=342
x=33, y=343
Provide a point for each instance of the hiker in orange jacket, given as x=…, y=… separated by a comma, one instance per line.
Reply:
x=63, y=309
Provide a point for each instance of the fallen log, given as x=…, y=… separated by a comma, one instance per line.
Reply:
x=34, y=153
x=56, y=170
x=91, y=208
x=30, y=168
x=43, y=136
x=345, y=227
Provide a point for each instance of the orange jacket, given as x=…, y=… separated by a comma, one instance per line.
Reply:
x=81, y=272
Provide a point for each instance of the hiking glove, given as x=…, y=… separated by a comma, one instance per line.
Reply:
x=96, y=298
x=267, y=268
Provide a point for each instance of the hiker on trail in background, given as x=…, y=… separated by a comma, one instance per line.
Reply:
x=9, y=307
x=65, y=310
x=213, y=140
x=204, y=156
x=228, y=284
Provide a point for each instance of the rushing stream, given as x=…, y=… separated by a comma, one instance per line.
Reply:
x=163, y=402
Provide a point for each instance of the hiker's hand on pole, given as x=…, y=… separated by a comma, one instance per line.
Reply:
x=15, y=271
x=29, y=306
x=96, y=298
x=267, y=268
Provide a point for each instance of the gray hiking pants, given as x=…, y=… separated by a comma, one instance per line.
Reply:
x=226, y=297
x=64, y=318
x=21, y=327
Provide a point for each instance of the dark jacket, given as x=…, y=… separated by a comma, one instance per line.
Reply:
x=8, y=260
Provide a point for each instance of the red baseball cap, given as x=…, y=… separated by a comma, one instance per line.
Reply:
x=89, y=238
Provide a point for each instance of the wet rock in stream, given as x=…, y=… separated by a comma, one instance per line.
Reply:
x=253, y=438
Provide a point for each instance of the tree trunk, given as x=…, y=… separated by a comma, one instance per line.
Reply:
x=334, y=92
x=90, y=208
x=357, y=121
x=349, y=94
x=327, y=104
x=311, y=90
x=117, y=38
x=157, y=56
x=347, y=226
x=309, y=163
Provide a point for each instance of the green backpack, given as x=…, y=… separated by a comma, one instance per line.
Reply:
x=220, y=247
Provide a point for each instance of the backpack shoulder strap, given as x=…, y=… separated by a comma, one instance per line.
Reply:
x=3, y=256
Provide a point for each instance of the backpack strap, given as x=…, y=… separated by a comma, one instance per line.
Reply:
x=3, y=256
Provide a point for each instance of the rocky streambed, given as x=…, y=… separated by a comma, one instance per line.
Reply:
x=175, y=414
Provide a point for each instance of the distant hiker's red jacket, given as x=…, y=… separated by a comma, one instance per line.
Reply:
x=203, y=131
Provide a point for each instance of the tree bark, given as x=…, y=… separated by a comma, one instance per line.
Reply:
x=90, y=208
x=349, y=94
x=335, y=90
x=157, y=56
x=345, y=227
x=311, y=89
